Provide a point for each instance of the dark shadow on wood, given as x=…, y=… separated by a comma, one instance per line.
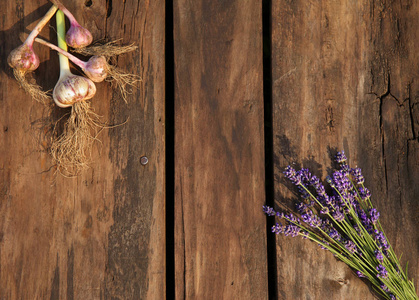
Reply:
x=170, y=152
x=268, y=132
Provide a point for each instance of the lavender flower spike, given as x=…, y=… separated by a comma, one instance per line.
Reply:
x=382, y=272
x=269, y=210
x=356, y=173
x=341, y=157
x=378, y=255
x=374, y=214
x=360, y=275
x=292, y=175
x=350, y=246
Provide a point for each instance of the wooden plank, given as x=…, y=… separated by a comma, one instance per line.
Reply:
x=101, y=235
x=136, y=264
x=220, y=247
x=344, y=79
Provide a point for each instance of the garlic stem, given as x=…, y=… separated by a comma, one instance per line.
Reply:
x=69, y=15
x=77, y=61
x=40, y=25
x=64, y=63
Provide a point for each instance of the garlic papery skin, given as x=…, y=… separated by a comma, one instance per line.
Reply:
x=23, y=58
x=70, y=88
x=96, y=68
x=78, y=36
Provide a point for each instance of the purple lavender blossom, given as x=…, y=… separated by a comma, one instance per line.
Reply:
x=384, y=287
x=305, y=175
x=321, y=192
x=304, y=194
x=324, y=210
x=362, y=217
x=277, y=228
x=301, y=207
x=345, y=169
x=358, y=230
x=280, y=215
x=324, y=247
x=341, y=157
x=334, y=234
x=307, y=216
x=315, y=182
x=365, y=221
x=317, y=222
x=374, y=215
x=311, y=219
x=350, y=246
x=269, y=210
x=360, y=275
x=331, y=202
x=381, y=240
x=364, y=193
x=378, y=255
x=356, y=173
x=292, y=218
x=382, y=272
x=338, y=216
x=292, y=230
x=292, y=175
x=352, y=198
x=342, y=182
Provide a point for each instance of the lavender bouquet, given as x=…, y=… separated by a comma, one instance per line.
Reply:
x=346, y=224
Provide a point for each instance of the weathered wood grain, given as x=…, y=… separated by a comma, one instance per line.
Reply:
x=345, y=78
x=220, y=247
x=101, y=235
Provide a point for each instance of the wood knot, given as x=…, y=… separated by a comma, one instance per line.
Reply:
x=342, y=281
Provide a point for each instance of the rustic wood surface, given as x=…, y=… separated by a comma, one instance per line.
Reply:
x=220, y=248
x=339, y=75
x=344, y=77
x=101, y=235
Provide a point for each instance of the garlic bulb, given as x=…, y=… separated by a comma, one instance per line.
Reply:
x=72, y=88
x=96, y=68
x=23, y=58
x=78, y=36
